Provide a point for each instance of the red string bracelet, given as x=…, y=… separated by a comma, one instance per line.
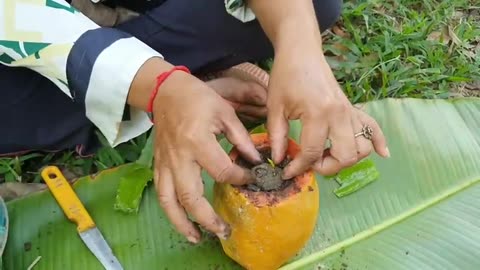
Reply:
x=160, y=79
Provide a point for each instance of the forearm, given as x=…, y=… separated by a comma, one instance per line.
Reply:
x=288, y=24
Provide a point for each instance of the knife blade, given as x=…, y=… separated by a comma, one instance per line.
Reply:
x=76, y=212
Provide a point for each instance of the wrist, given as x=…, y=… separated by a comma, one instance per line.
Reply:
x=288, y=24
x=297, y=32
x=304, y=57
x=161, y=82
x=144, y=81
x=173, y=86
x=298, y=47
x=146, y=85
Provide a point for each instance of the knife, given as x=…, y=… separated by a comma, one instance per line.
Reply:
x=76, y=212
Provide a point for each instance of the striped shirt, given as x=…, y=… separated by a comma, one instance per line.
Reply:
x=85, y=61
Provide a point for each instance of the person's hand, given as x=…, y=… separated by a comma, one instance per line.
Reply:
x=188, y=115
x=302, y=86
x=249, y=99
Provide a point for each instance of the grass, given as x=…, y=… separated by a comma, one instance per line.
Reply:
x=26, y=168
x=378, y=49
x=421, y=49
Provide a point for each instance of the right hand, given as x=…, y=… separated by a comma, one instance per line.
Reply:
x=188, y=115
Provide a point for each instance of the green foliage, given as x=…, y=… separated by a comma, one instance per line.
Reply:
x=26, y=168
x=412, y=48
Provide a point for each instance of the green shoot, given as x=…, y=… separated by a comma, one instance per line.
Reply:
x=271, y=163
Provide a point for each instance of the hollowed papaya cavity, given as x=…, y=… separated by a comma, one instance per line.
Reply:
x=267, y=178
x=271, y=219
x=267, y=175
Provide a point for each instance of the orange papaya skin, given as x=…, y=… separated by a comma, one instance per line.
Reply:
x=267, y=228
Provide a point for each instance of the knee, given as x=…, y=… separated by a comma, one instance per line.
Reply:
x=328, y=12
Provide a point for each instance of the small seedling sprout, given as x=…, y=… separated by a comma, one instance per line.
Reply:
x=271, y=163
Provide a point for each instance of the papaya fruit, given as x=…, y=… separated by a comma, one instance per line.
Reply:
x=268, y=227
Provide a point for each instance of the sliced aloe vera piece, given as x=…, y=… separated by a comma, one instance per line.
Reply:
x=355, y=177
x=131, y=187
x=134, y=181
x=146, y=157
x=258, y=129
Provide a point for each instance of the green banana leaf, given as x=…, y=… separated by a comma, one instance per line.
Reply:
x=423, y=211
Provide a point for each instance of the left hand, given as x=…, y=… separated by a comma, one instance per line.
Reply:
x=302, y=86
x=247, y=98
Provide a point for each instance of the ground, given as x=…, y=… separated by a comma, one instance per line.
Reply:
x=378, y=49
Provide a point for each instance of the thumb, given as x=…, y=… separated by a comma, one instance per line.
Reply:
x=277, y=126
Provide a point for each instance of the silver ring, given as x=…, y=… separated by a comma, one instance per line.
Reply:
x=366, y=132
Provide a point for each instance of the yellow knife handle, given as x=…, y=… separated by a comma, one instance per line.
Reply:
x=66, y=198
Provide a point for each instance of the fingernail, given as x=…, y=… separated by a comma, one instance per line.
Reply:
x=221, y=236
x=286, y=176
x=387, y=151
x=226, y=232
x=273, y=155
x=259, y=157
x=192, y=239
x=276, y=157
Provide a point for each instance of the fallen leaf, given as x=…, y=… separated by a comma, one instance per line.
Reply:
x=339, y=31
x=453, y=36
x=335, y=62
x=13, y=190
x=473, y=86
x=370, y=59
x=469, y=53
x=458, y=14
x=474, y=13
x=380, y=10
x=340, y=47
x=471, y=89
x=336, y=52
x=440, y=36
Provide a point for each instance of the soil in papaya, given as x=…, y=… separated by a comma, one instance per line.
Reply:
x=268, y=176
